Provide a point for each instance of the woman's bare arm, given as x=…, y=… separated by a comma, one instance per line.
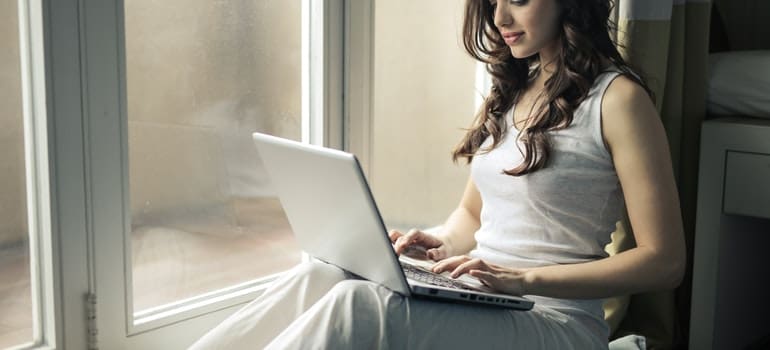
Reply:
x=456, y=235
x=459, y=229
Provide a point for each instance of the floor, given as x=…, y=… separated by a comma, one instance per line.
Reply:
x=15, y=307
x=170, y=263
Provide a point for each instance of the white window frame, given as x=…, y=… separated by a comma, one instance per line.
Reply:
x=41, y=244
x=322, y=72
x=59, y=21
x=358, y=79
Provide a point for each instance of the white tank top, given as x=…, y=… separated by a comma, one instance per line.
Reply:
x=563, y=213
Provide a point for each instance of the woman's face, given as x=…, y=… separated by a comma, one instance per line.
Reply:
x=528, y=26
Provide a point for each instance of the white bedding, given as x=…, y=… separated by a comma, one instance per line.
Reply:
x=739, y=83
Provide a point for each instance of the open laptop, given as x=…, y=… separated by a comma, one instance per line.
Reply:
x=335, y=219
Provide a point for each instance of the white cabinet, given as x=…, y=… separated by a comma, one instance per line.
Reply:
x=747, y=184
x=731, y=281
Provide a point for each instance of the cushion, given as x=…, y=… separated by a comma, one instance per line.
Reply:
x=615, y=308
x=629, y=342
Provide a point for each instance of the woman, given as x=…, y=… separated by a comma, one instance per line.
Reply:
x=567, y=135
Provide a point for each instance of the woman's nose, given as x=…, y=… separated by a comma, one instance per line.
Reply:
x=503, y=17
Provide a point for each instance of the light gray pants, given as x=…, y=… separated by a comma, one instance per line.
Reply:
x=319, y=306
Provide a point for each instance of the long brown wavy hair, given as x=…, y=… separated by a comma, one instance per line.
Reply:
x=585, y=48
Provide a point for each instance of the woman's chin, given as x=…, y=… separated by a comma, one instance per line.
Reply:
x=520, y=53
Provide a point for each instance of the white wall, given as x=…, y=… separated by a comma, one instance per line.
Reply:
x=423, y=95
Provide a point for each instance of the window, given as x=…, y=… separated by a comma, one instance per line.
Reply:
x=151, y=124
x=201, y=77
x=16, y=315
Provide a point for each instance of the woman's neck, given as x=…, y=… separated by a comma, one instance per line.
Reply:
x=541, y=75
x=548, y=57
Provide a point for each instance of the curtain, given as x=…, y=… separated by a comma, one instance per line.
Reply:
x=667, y=42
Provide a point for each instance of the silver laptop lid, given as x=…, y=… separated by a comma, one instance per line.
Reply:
x=321, y=191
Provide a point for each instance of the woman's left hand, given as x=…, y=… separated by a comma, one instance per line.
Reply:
x=501, y=279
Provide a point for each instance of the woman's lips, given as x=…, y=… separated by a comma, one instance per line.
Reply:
x=511, y=38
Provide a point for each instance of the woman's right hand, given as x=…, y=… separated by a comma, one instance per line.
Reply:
x=435, y=248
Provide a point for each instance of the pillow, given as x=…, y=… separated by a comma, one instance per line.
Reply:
x=739, y=83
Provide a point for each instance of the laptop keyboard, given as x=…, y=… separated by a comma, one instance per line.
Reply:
x=431, y=278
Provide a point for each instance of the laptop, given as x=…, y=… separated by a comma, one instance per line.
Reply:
x=334, y=217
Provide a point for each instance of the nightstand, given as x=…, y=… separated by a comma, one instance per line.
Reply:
x=731, y=271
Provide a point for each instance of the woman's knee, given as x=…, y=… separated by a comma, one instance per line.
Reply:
x=320, y=270
x=349, y=288
x=358, y=294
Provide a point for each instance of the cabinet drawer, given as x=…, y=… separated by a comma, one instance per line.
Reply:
x=747, y=184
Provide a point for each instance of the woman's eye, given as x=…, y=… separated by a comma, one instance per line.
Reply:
x=519, y=2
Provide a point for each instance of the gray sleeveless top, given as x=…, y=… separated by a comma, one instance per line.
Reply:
x=561, y=214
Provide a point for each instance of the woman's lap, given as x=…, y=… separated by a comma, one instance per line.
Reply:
x=336, y=312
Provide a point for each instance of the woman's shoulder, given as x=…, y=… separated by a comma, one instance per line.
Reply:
x=624, y=93
x=626, y=107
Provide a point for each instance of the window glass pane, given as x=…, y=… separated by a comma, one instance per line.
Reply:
x=423, y=97
x=15, y=293
x=201, y=77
